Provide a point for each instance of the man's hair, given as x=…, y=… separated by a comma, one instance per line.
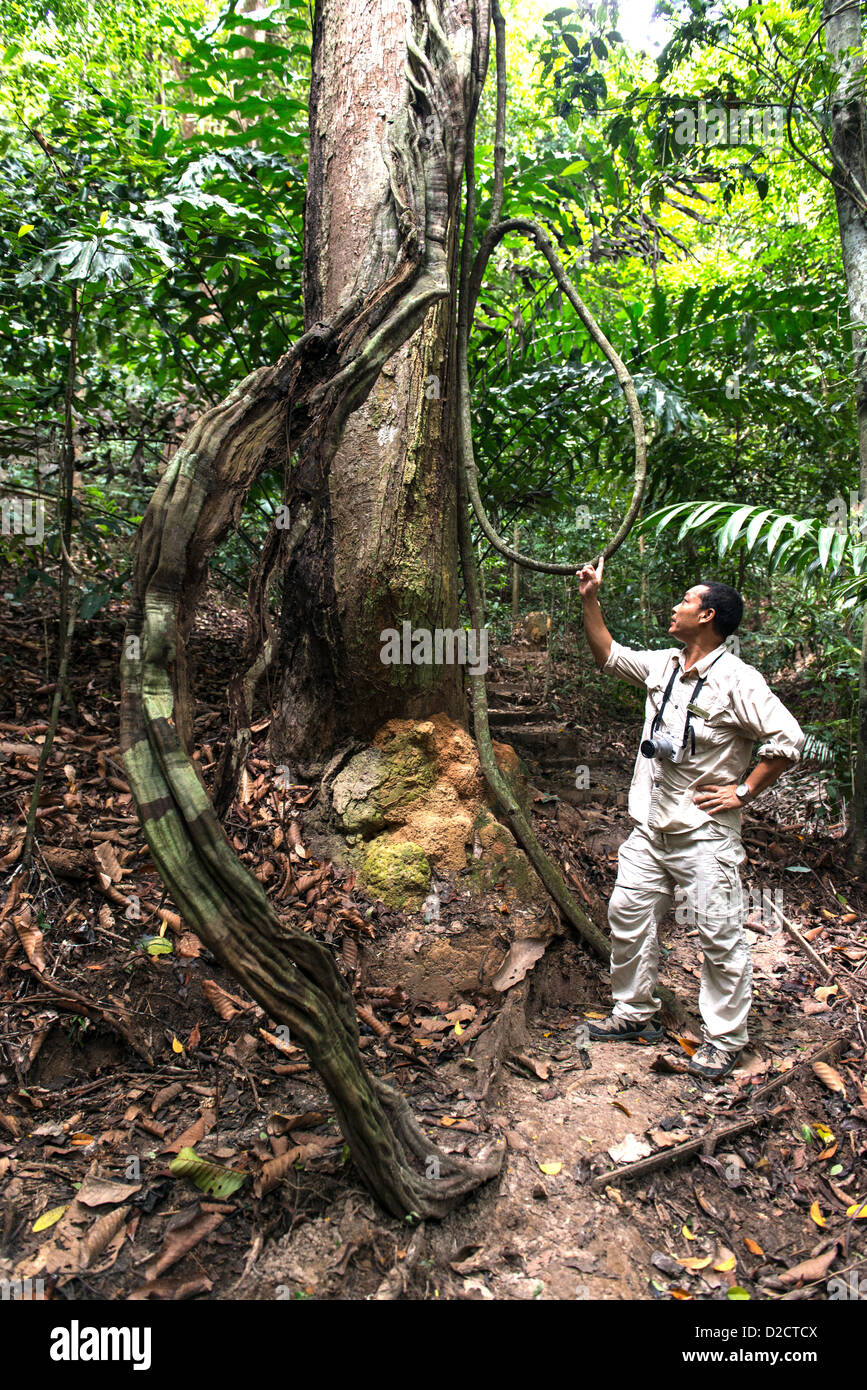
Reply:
x=727, y=604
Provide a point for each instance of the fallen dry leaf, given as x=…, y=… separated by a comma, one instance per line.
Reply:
x=107, y=859
x=667, y=1064
x=174, y=1290
x=280, y=1043
x=181, y=1241
x=282, y=1124
x=100, y=1192
x=74, y=1246
x=808, y=1271
x=666, y=1138
x=521, y=957
x=104, y=1230
x=630, y=1149
x=166, y=1095
x=829, y=1077
x=228, y=1006
x=195, y=1132
x=275, y=1169
x=540, y=1069
x=751, y=1065
x=30, y=937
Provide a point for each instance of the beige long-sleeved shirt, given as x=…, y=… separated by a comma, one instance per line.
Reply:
x=739, y=708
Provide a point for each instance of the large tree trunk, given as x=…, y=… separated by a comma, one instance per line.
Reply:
x=844, y=39
x=383, y=549
x=297, y=410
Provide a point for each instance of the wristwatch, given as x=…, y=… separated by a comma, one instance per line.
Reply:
x=742, y=792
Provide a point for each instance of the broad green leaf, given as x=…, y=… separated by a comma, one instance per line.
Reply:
x=756, y=525
x=827, y=536
x=777, y=530
x=156, y=945
x=730, y=531
x=208, y=1177
x=702, y=514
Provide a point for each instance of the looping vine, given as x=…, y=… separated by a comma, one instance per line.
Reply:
x=472, y=274
x=472, y=271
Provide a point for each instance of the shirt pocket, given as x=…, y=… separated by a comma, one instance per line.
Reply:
x=712, y=729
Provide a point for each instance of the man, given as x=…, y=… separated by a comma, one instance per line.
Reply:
x=705, y=710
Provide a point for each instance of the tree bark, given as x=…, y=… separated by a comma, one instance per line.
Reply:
x=843, y=34
x=383, y=549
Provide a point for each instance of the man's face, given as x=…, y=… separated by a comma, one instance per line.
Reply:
x=688, y=617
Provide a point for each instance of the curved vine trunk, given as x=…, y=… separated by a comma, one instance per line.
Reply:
x=298, y=409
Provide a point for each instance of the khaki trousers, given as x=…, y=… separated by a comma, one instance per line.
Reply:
x=696, y=872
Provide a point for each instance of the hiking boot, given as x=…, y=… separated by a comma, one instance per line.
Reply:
x=712, y=1062
x=613, y=1029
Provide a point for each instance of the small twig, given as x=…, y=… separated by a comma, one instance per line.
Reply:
x=805, y=946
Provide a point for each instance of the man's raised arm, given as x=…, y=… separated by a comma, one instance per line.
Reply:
x=599, y=639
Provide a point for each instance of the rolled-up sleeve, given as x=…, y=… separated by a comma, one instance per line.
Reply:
x=764, y=717
x=629, y=664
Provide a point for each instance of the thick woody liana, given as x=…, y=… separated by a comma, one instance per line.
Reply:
x=298, y=407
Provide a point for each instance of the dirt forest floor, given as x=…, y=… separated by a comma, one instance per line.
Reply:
x=123, y=1042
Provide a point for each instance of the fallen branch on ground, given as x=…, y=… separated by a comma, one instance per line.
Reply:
x=707, y=1142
